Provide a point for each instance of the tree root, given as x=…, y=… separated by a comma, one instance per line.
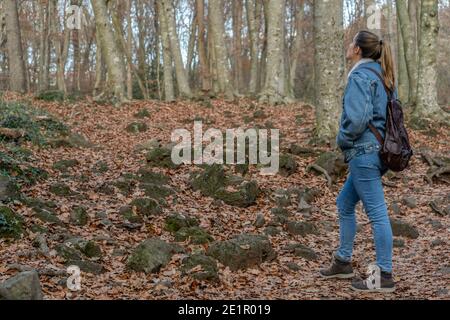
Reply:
x=320, y=170
x=437, y=174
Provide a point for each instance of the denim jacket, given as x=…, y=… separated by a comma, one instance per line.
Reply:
x=364, y=102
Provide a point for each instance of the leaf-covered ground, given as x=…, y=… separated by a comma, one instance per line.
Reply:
x=422, y=265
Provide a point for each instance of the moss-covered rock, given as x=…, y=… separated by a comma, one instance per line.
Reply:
x=79, y=216
x=9, y=190
x=242, y=251
x=88, y=248
x=175, y=222
x=137, y=127
x=125, y=186
x=76, y=252
x=65, y=165
x=302, y=251
x=213, y=182
x=62, y=190
x=301, y=228
x=11, y=224
x=88, y=266
x=402, y=228
x=156, y=191
x=151, y=255
x=146, y=207
x=130, y=215
x=243, y=198
x=160, y=157
x=200, y=267
x=196, y=235
x=288, y=165
x=47, y=215
x=145, y=175
x=272, y=230
x=209, y=181
x=68, y=253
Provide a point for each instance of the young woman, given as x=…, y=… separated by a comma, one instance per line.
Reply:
x=365, y=101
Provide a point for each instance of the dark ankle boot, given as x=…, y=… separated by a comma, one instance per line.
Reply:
x=339, y=269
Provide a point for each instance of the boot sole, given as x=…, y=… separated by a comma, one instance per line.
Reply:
x=381, y=290
x=338, y=276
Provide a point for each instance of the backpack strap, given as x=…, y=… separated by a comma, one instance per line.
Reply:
x=389, y=94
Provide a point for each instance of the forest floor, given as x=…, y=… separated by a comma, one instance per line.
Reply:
x=421, y=264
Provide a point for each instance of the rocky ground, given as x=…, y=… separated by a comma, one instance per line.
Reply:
x=102, y=194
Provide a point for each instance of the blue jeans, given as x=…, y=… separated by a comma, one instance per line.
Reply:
x=364, y=183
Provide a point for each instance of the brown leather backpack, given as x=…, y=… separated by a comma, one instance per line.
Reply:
x=396, y=151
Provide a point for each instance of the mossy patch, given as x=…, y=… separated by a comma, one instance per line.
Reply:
x=11, y=224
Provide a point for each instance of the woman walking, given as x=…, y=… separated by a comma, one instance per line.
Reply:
x=365, y=101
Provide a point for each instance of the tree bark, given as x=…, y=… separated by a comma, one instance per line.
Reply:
x=427, y=107
x=169, y=94
x=180, y=71
x=114, y=62
x=237, y=41
x=202, y=52
x=328, y=68
x=409, y=49
x=403, y=85
x=275, y=90
x=298, y=43
x=17, y=78
x=253, y=33
x=222, y=65
x=44, y=46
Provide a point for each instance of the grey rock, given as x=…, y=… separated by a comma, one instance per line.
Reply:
x=410, y=202
x=402, y=228
x=23, y=286
x=260, y=221
x=301, y=228
x=151, y=255
x=242, y=251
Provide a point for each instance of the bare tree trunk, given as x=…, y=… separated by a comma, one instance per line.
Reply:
x=329, y=67
x=61, y=42
x=217, y=26
x=129, y=52
x=44, y=46
x=202, y=55
x=191, y=44
x=253, y=32
x=17, y=78
x=427, y=108
x=409, y=49
x=110, y=50
x=403, y=82
x=169, y=94
x=237, y=27
x=180, y=71
x=98, y=70
x=298, y=43
x=275, y=91
x=141, y=52
x=263, y=60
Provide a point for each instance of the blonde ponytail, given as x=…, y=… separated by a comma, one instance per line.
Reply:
x=387, y=65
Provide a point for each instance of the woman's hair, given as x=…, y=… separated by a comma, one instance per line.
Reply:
x=375, y=48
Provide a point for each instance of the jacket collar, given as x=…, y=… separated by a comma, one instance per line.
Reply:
x=360, y=62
